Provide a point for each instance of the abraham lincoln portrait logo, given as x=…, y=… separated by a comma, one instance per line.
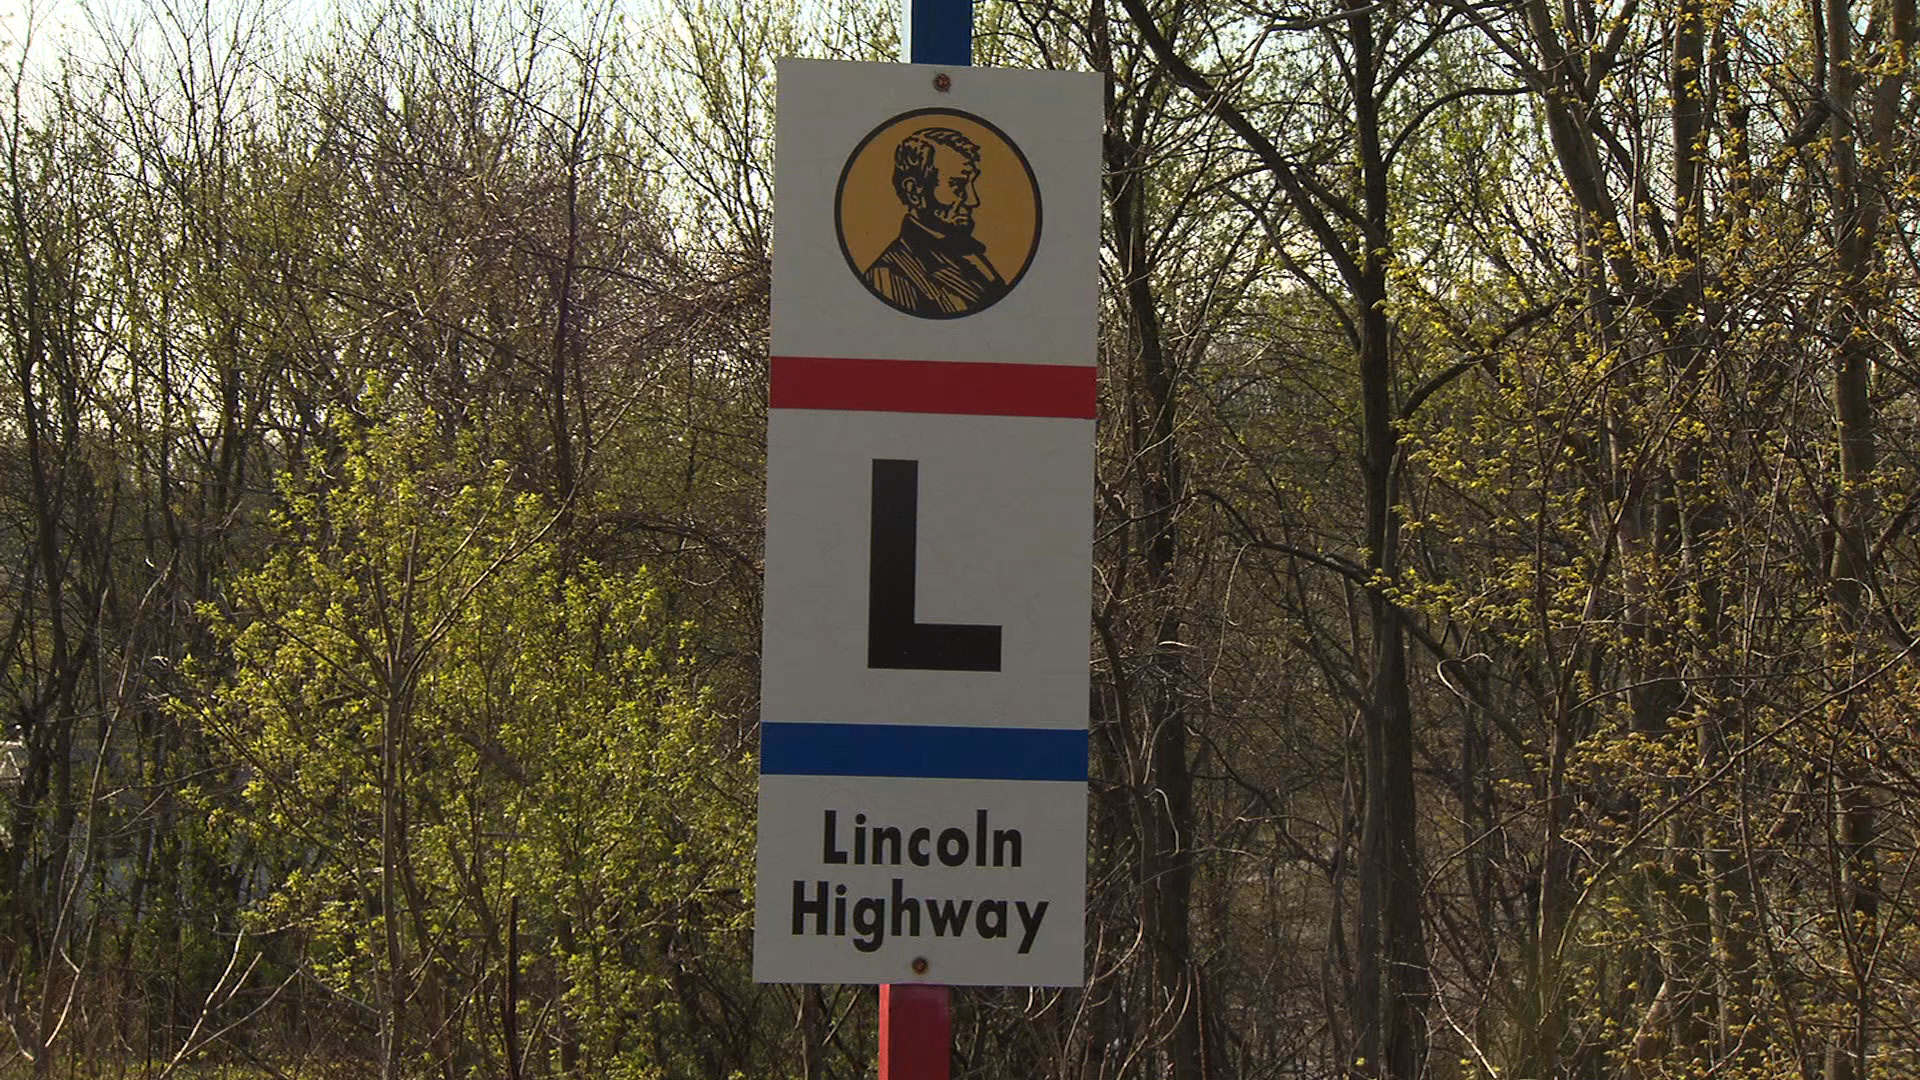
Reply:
x=938, y=213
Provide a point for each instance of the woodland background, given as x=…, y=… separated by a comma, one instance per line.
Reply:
x=1506, y=565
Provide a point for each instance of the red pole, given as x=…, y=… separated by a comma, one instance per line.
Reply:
x=916, y=1031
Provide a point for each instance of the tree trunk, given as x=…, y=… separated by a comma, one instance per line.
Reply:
x=1166, y=802
x=1395, y=984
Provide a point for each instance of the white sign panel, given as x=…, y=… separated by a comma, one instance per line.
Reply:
x=929, y=491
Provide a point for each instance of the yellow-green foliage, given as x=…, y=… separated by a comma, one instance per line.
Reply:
x=418, y=648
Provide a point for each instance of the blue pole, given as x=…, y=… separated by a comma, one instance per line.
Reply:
x=937, y=32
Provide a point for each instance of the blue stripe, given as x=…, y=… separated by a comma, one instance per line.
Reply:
x=948, y=753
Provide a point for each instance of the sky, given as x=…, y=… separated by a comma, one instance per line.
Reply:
x=38, y=25
x=36, y=34
x=57, y=25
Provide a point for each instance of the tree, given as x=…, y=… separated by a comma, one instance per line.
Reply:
x=431, y=721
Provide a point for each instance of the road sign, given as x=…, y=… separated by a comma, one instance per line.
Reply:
x=929, y=515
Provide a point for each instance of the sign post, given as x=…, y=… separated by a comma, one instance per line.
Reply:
x=916, y=1022
x=916, y=1032
x=929, y=531
x=937, y=32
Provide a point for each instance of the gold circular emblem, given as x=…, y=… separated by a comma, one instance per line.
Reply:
x=938, y=213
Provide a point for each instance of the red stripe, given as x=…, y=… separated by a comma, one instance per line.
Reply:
x=932, y=386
